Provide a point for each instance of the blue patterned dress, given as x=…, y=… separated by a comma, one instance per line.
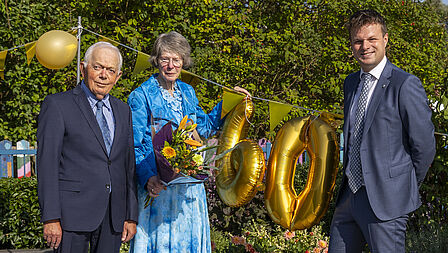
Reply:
x=177, y=220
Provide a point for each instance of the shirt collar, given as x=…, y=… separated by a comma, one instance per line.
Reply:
x=376, y=72
x=92, y=99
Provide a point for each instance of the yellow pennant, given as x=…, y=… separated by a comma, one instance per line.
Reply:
x=277, y=111
x=229, y=100
x=30, y=51
x=105, y=39
x=141, y=63
x=2, y=63
x=190, y=78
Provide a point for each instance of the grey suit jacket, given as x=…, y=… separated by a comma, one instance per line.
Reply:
x=76, y=176
x=398, y=143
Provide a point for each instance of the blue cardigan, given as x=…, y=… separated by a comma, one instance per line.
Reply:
x=150, y=109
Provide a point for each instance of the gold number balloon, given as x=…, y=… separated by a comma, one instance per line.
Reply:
x=284, y=206
x=242, y=169
x=56, y=49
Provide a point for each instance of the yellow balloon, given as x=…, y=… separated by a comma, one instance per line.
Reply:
x=241, y=170
x=56, y=49
x=284, y=206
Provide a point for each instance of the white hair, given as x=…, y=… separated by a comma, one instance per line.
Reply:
x=98, y=45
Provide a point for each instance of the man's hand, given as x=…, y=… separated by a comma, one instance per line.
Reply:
x=53, y=233
x=129, y=230
x=154, y=186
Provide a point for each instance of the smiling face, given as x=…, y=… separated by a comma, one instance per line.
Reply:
x=170, y=67
x=369, y=46
x=101, y=73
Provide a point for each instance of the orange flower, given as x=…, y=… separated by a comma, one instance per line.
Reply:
x=238, y=240
x=289, y=235
x=193, y=143
x=183, y=123
x=322, y=244
x=169, y=152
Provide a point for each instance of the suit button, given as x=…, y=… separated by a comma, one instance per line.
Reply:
x=107, y=186
x=109, y=162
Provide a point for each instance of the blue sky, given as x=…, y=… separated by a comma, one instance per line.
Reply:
x=445, y=1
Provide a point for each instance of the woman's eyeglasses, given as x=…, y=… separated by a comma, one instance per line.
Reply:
x=165, y=61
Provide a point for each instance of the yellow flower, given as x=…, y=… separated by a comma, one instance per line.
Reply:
x=193, y=143
x=198, y=159
x=169, y=152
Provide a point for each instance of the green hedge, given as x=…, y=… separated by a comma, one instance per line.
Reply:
x=20, y=225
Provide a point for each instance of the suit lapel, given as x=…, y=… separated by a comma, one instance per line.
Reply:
x=351, y=87
x=119, y=121
x=84, y=106
x=377, y=96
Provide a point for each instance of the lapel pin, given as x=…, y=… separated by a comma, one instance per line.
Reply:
x=384, y=86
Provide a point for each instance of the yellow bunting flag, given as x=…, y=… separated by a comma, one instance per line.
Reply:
x=277, y=111
x=190, y=78
x=105, y=39
x=141, y=63
x=30, y=51
x=2, y=63
x=229, y=100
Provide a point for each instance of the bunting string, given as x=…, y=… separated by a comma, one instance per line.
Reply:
x=144, y=57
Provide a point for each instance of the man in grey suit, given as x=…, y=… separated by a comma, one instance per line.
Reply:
x=389, y=145
x=86, y=162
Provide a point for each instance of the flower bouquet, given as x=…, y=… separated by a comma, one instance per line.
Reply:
x=178, y=154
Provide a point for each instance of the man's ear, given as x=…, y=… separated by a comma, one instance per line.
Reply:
x=82, y=68
x=118, y=76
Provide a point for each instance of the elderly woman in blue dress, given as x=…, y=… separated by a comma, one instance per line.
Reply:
x=177, y=219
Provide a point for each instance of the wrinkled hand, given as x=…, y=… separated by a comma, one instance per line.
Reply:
x=154, y=186
x=129, y=230
x=53, y=233
x=242, y=90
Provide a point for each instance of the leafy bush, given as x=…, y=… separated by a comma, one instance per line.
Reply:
x=20, y=225
x=241, y=229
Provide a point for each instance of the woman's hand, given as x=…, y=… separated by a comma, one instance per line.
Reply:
x=154, y=186
x=242, y=90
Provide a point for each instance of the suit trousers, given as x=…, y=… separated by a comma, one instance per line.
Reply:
x=102, y=240
x=355, y=224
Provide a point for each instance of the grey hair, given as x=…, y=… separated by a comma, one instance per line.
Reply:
x=98, y=45
x=172, y=42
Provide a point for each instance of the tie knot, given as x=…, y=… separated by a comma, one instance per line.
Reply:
x=367, y=77
x=100, y=104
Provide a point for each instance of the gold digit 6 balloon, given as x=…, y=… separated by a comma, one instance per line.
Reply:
x=56, y=49
x=285, y=207
x=241, y=170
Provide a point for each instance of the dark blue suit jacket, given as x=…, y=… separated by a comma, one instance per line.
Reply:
x=398, y=143
x=75, y=174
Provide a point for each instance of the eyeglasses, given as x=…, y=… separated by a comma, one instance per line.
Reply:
x=165, y=61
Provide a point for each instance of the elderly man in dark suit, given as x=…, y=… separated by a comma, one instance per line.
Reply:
x=388, y=142
x=85, y=159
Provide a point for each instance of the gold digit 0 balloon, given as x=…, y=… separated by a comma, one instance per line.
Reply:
x=56, y=49
x=284, y=206
x=241, y=170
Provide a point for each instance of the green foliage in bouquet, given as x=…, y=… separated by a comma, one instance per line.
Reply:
x=183, y=153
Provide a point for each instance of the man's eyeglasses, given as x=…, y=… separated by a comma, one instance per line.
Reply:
x=165, y=61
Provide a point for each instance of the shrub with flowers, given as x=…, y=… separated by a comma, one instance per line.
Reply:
x=250, y=229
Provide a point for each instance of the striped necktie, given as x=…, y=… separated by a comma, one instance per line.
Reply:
x=103, y=125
